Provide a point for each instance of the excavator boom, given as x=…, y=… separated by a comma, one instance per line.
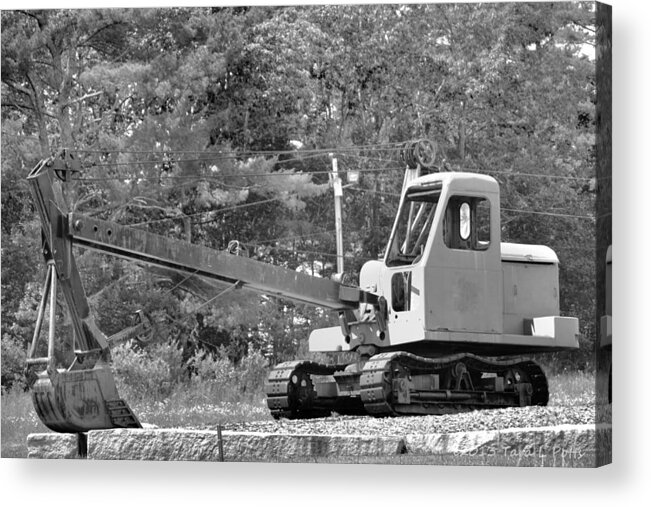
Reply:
x=153, y=249
x=83, y=396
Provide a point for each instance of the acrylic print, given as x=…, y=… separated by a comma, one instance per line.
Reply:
x=327, y=233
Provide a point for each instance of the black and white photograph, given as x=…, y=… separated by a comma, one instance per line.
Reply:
x=348, y=237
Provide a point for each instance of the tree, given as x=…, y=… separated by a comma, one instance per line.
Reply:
x=215, y=125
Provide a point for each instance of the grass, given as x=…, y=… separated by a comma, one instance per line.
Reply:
x=186, y=409
x=175, y=413
x=571, y=388
x=18, y=419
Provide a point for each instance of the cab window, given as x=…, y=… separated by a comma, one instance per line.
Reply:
x=466, y=225
x=414, y=225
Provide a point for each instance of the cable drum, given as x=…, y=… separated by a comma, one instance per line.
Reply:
x=421, y=152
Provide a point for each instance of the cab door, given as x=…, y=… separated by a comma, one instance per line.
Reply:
x=405, y=261
x=463, y=277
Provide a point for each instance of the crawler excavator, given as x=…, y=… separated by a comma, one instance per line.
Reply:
x=442, y=324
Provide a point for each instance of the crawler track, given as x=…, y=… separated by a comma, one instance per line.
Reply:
x=291, y=393
x=400, y=383
x=388, y=388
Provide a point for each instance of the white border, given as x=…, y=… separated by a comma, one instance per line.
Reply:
x=161, y=484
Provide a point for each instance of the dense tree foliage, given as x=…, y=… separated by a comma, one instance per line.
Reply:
x=215, y=125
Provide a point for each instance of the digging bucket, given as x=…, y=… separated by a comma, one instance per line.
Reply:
x=76, y=401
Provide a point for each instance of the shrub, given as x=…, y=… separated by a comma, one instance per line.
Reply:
x=253, y=370
x=157, y=377
x=149, y=373
x=215, y=378
x=13, y=356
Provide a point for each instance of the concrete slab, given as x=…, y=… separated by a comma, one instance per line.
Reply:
x=560, y=444
x=557, y=442
x=197, y=445
x=55, y=446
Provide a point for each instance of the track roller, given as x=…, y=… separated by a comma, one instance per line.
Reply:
x=400, y=383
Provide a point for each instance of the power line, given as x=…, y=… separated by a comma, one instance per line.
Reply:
x=217, y=178
x=567, y=215
x=533, y=175
x=207, y=158
x=266, y=201
x=380, y=192
x=345, y=151
x=239, y=154
x=492, y=171
x=253, y=174
x=564, y=215
x=301, y=236
x=314, y=252
x=366, y=157
x=221, y=210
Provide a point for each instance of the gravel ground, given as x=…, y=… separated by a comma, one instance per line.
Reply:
x=496, y=419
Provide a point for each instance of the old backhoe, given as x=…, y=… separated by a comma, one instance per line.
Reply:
x=439, y=325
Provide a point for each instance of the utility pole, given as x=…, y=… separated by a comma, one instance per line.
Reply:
x=339, y=192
